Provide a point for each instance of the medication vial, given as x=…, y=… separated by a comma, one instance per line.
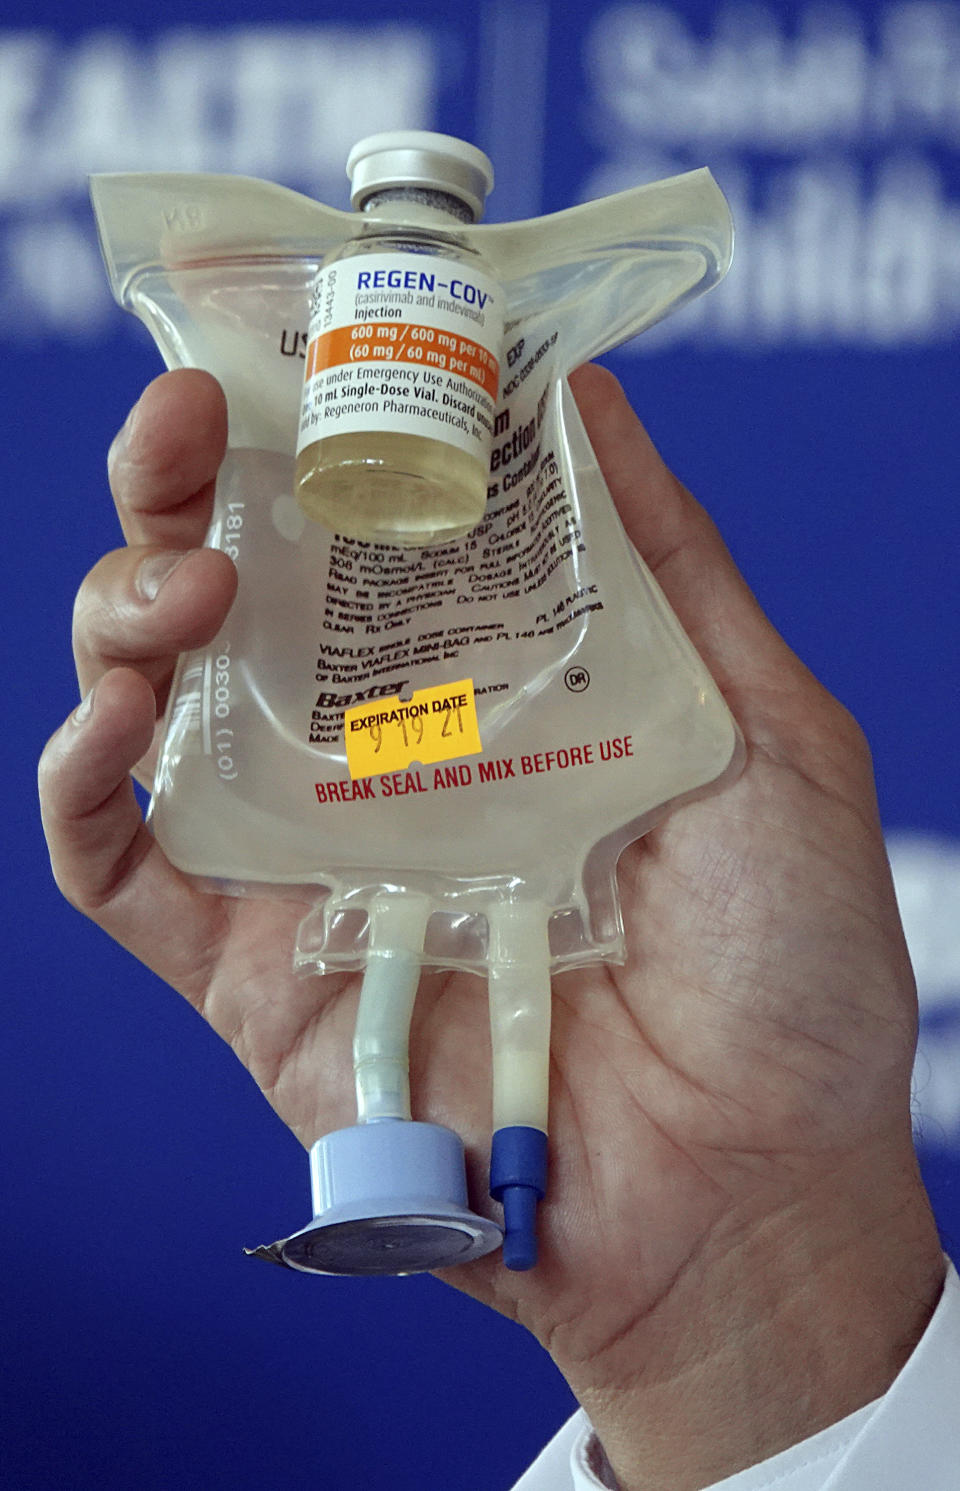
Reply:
x=404, y=347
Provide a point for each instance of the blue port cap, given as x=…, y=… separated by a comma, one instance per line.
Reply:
x=518, y=1180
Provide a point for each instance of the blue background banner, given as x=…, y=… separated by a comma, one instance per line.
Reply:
x=810, y=402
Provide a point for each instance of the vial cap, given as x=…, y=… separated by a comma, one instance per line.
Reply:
x=419, y=158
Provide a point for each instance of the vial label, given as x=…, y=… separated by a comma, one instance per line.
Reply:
x=405, y=343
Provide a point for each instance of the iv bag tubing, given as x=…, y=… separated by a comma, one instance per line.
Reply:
x=519, y=974
x=520, y=1005
x=381, y=1041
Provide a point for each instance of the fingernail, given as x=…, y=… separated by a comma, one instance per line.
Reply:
x=153, y=571
x=121, y=439
x=129, y=424
x=85, y=708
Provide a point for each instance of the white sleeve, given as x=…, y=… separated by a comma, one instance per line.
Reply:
x=909, y=1437
x=572, y=1461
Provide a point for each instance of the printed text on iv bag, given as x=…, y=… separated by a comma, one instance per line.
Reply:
x=488, y=772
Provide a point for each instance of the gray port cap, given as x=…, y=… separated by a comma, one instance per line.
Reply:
x=418, y=158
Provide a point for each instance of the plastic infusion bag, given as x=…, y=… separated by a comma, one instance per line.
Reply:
x=447, y=748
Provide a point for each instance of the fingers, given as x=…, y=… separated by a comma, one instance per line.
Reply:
x=143, y=606
x=103, y=858
x=164, y=595
x=163, y=463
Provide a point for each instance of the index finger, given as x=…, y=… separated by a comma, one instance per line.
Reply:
x=163, y=464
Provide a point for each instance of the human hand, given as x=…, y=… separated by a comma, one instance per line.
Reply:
x=736, y=1248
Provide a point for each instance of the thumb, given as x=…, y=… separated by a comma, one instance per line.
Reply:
x=778, y=703
x=679, y=541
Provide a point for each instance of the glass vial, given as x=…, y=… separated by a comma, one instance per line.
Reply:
x=404, y=349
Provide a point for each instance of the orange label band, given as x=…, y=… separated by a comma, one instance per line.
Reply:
x=435, y=725
x=372, y=342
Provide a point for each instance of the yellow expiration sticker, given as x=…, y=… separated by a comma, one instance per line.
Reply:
x=434, y=725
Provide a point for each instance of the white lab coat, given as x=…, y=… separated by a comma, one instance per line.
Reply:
x=908, y=1440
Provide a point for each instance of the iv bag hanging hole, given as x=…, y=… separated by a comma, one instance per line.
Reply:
x=388, y=1198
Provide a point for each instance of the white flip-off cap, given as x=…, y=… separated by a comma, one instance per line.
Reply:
x=419, y=158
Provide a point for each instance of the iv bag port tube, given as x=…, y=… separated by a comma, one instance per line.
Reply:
x=520, y=1007
x=381, y=1041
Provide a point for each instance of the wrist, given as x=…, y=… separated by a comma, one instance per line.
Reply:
x=777, y=1327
